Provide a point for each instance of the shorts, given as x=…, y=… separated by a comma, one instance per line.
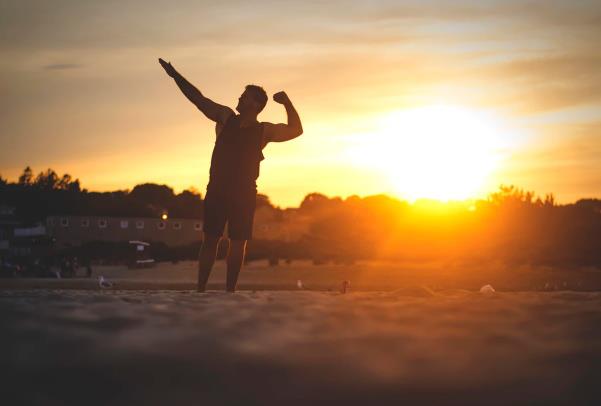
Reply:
x=235, y=208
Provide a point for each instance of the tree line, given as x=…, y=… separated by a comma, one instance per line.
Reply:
x=47, y=193
x=511, y=225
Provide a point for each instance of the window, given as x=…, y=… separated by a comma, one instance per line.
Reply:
x=161, y=225
x=51, y=222
x=140, y=224
x=102, y=223
x=198, y=226
x=124, y=223
x=65, y=222
x=177, y=225
x=85, y=222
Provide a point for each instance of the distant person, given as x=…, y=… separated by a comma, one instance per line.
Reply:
x=88, y=264
x=232, y=189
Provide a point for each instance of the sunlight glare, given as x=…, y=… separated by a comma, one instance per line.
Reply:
x=437, y=152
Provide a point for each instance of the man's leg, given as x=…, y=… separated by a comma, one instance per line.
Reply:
x=206, y=259
x=235, y=257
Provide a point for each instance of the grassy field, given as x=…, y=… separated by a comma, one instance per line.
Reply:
x=363, y=276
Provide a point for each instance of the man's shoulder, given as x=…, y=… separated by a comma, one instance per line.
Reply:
x=220, y=125
x=229, y=115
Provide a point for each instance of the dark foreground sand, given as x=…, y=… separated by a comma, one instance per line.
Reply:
x=407, y=346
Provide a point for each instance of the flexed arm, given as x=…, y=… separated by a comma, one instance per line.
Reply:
x=284, y=132
x=209, y=108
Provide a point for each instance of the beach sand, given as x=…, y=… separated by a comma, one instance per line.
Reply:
x=403, y=346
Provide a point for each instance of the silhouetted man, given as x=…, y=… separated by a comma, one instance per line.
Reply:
x=232, y=189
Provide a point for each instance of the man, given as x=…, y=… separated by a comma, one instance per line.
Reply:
x=232, y=189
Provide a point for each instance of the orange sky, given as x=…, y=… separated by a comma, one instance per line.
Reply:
x=82, y=92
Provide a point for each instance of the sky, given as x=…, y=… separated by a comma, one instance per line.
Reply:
x=380, y=87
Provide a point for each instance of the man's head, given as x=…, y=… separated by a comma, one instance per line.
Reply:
x=252, y=100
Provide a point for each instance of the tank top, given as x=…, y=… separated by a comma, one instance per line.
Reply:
x=237, y=156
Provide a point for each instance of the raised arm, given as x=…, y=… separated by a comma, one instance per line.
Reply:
x=209, y=108
x=284, y=132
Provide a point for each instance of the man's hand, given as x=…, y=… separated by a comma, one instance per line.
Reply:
x=283, y=132
x=168, y=68
x=281, y=97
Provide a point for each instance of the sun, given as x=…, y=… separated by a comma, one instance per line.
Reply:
x=438, y=152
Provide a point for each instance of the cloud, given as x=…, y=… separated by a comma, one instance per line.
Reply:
x=342, y=62
x=545, y=83
x=62, y=66
x=61, y=24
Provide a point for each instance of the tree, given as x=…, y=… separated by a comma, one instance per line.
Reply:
x=151, y=193
x=316, y=202
x=74, y=186
x=593, y=205
x=26, y=178
x=63, y=182
x=263, y=201
x=187, y=204
x=549, y=200
x=47, y=180
x=189, y=195
x=512, y=196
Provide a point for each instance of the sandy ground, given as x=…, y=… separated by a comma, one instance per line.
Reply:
x=404, y=346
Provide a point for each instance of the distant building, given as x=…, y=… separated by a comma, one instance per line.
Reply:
x=21, y=240
x=75, y=230
x=8, y=222
x=30, y=240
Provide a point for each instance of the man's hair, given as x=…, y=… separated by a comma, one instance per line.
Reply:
x=259, y=95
